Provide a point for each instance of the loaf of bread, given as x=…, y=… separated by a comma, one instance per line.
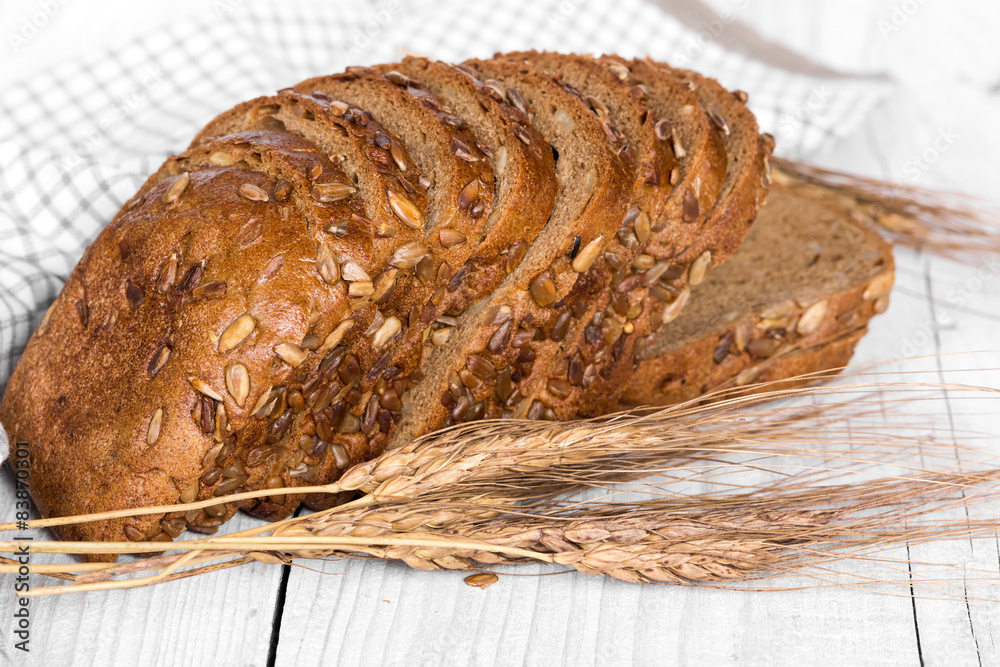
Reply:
x=365, y=257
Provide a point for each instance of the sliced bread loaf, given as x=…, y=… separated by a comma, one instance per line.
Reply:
x=794, y=299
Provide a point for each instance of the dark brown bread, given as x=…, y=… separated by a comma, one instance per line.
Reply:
x=364, y=258
x=794, y=299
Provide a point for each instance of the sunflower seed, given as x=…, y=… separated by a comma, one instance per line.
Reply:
x=159, y=360
x=664, y=129
x=440, y=336
x=405, y=210
x=337, y=334
x=263, y=404
x=282, y=189
x=133, y=534
x=221, y=159
x=719, y=121
x=398, y=78
x=134, y=294
x=82, y=311
x=190, y=493
x=250, y=232
x=463, y=151
x=678, y=146
x=352, y=271
x=331, y=192
x=236, y=332
x=168, y=274
x=469, y=194
x=543, y=290
x=326, y=264
x=585, y=258
x=699, y=268
x=618, y=69
x=408, y=255
x=559, y=388
x=879, y=287
x=221, y=423
x=762, y=348
x=671, y=312
x=515, y=254
x=290, y=353
x=451, y=237
x=386, y=332
x=398, y=155
x=561, y=326
x=202, y=387
x=642, y=229
x=361, y=288
x=238, y=382
x=177, y=188
x=691, y=207
x=722, y=349
x=153, y=431
x=210, y=290
x=812, y=318
x=252, y=192
x=109, y=321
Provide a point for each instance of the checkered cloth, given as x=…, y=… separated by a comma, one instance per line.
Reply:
x=78, y=140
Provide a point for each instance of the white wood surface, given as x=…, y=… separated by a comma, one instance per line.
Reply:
x=352, y=612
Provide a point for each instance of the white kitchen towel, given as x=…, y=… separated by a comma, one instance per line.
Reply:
x=77, y=141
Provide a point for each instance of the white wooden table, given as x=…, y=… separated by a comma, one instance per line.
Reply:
x=384, y=613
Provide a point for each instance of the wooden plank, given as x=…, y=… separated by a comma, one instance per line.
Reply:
x=222, y=618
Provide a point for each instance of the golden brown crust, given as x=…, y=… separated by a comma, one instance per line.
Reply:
x=137, y=330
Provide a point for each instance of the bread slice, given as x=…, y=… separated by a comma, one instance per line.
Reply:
x=523, y=165
x=794, y=299
x=596, y=359
x=748, y=171
x=459, y=174
x=475, y=374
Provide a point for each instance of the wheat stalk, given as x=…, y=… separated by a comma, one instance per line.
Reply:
x=950, y=224
x=509, y=476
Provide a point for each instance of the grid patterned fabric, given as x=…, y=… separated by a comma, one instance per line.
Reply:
x=78, y=140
